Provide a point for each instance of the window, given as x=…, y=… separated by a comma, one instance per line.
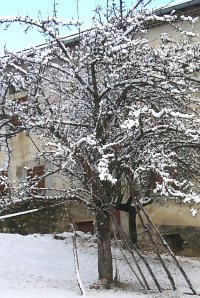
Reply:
x=156, y=178
x=15, y=121
x=4, y=190
x=11, y=90
x=19, y=99
x=35, y=178
x=17, y=95
x=85, y=226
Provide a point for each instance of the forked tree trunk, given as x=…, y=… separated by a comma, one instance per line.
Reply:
x=105, y=268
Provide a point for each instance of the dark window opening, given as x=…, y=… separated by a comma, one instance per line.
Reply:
x=11, y=90
x=19, y=102
x=35, y=177
x=85, y=226
x=4, y=190
x=174, y=240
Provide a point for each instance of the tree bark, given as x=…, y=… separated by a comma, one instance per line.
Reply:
x=105, y=268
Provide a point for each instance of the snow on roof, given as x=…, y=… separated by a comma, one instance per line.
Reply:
x=184, y=3
x=177, y=5
x=178, y=2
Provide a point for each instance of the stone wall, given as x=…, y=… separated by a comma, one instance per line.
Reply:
x=50, y=218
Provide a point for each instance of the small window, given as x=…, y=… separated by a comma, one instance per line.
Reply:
x=15, y=121
x=4, y=190
x=35, y=176
x=85, y=226
x=11, y=90
x=20, y=99
x=18, y=95
x=154, y=178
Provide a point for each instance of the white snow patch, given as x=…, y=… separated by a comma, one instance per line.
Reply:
x=39, y=266
x=194, y=211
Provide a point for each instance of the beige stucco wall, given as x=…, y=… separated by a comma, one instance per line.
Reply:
x=22, y=152
x=153, y=34
x=171, y=213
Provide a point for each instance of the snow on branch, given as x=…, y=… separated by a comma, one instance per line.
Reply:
x=18, y=214
x=28, y=20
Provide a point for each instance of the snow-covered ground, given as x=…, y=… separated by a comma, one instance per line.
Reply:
x=37, y=266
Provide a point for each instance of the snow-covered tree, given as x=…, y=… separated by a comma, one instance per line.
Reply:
x=117, y=116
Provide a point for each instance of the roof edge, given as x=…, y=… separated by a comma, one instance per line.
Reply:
x=168, y=9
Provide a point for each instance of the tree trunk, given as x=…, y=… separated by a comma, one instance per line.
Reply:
x=105, y=268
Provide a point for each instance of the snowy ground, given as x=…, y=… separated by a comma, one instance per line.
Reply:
x=38, y=266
